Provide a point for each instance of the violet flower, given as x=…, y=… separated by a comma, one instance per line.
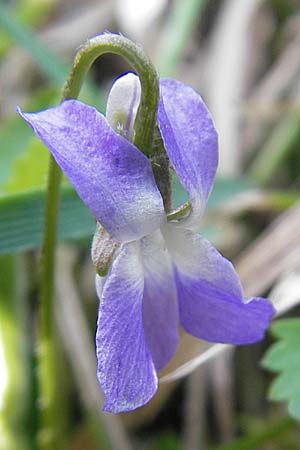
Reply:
x=163, y=273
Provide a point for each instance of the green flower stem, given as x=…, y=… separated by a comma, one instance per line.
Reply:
x=50, y=434
x=134, y=55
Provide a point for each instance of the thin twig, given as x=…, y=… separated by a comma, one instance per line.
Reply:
x=194, y=417
x=221, y=371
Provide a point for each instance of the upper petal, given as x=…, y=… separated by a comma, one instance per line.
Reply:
x=122, y=104
x=160, y=309
x=112, y=177
x=126, y=372
x=190, y=140
x=211, y=304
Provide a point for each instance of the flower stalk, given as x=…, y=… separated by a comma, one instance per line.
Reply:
x=134, y=55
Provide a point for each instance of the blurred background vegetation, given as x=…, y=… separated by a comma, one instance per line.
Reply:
x=244, y=59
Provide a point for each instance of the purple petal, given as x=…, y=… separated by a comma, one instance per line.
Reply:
x=190, y=140
x=211, y=304
x=112, y=177
x=160, y=310
x=126, y=371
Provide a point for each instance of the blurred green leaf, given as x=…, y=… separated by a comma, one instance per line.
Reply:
x=179, y=195
x=49, y=63
x=177, y=31
x=30, y=169
x=227, y=188
x=167, y=442
x=29, y=12
x=34, y=12
x=16, y=135
x=16, y=432
x=13, y=135
x=22, y=219
x=283, y=357
x=269, y=432
x=276, y=150
x=223, y=190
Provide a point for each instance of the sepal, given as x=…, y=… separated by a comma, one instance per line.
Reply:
x=104, y=247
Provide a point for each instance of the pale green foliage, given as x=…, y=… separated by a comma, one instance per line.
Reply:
x=283, y=357
x=30, y=169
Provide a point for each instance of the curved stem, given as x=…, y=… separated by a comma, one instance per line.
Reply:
x=144, y=129
x=134, y=55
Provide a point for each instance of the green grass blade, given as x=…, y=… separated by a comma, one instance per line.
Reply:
x=22, y=220
x=183, y=18
x=48, y=62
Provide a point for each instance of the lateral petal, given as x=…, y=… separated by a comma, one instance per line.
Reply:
x=211, y=304
x=191, y=142
x=160, y=308
x=112, y=177
x=126, y=372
